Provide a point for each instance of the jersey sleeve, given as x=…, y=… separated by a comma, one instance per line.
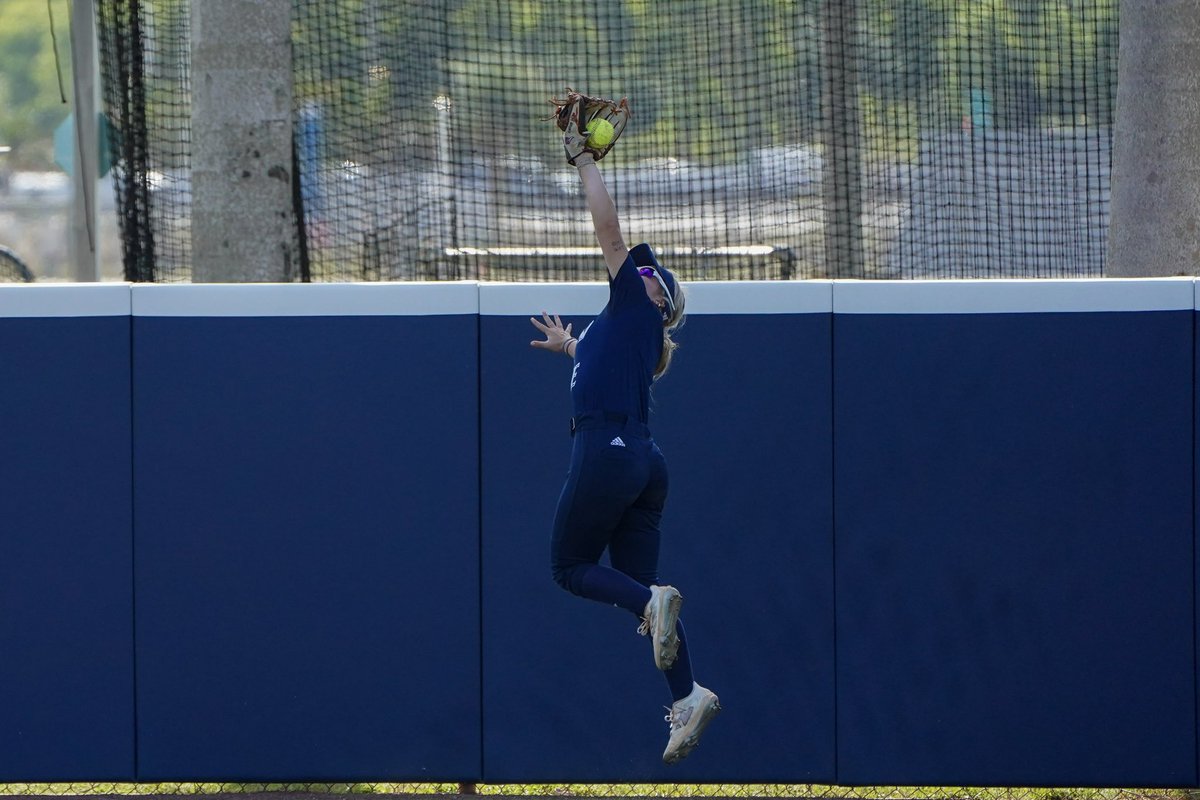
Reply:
x=626, y=289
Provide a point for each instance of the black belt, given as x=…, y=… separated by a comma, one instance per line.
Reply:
x=599, y=418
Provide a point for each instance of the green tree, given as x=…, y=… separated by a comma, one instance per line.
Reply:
x=31, y=106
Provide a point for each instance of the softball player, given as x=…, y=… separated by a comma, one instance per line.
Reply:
x=617, y=484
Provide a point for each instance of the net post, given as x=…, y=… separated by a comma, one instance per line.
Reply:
x=842, y=140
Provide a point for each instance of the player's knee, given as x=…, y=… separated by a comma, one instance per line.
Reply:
x=567, y=576
x=560, y=577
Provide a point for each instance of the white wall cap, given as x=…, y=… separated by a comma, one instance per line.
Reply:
x=65, y=300
x=991, y=296
x=305, y=299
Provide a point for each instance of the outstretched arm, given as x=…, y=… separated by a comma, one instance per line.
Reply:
x=604, y=215
x=599, y=201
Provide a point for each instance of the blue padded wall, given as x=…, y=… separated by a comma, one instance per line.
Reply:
x=928, y=533
x=307, y=537
x=66, y=583
x=570, y=691
x=1014, y=539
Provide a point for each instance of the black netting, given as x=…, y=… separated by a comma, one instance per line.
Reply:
x=144, y=56
x=810, y=138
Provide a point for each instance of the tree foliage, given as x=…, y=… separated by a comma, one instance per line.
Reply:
x=706, y=77
x=31, y=106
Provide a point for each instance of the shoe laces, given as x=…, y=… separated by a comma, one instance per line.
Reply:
x=648, y=619
x=677, y=718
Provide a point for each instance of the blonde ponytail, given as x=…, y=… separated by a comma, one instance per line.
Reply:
x=669, y=326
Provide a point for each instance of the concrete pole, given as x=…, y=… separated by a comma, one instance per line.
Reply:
x=842, y=144
x=85, y=246
x=1155, y=229
x=243, y=225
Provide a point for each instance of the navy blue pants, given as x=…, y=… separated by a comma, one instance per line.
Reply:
x=613, y=500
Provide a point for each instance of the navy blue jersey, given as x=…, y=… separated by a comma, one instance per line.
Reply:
x=617, y=353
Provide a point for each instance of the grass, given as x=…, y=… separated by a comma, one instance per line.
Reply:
x=809, y=791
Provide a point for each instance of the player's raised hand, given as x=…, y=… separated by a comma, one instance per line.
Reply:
x=557, y=336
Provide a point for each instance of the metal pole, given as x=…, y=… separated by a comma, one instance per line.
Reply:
x=85, y=263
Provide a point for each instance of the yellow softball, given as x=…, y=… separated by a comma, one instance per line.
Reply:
x=600, y=132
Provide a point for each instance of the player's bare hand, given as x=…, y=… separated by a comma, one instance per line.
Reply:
x=556, y=334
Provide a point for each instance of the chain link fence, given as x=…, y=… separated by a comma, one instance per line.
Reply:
x=305, y=791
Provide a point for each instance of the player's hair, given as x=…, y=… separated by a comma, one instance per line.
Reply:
x=669, y=326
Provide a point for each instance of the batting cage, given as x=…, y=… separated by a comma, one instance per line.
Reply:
x=769, y=139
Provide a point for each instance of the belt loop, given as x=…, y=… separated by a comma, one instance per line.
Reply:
x=572, y=426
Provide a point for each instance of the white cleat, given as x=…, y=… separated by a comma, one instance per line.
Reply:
x=688, y=718
x=662, y=612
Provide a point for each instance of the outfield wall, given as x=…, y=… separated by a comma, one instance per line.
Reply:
x=929, y=534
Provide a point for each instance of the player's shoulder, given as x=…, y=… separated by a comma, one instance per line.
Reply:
x=626, y=271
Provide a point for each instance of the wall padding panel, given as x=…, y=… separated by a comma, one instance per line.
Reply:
x=307, y=532
x=1014, y=533
x=66, y=572
x=570, y=690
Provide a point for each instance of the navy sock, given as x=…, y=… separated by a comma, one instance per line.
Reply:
x=679, y=676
